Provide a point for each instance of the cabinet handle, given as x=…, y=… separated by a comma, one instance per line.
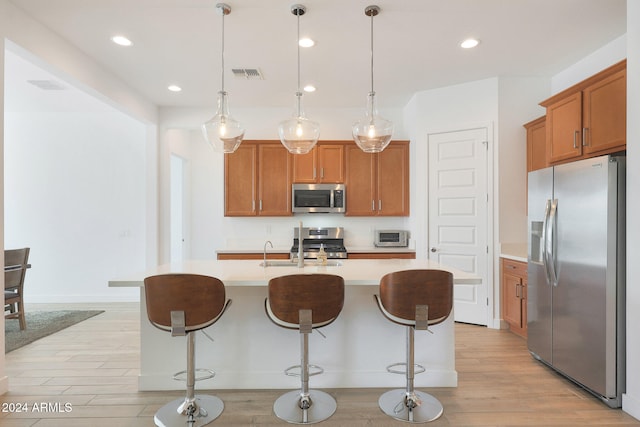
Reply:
x=584, y=137
x=322, y=173
x=260, y=205
x=518, y=291
x=253, y=206
x=379, y=204
x=575, y=139
x=373, y=205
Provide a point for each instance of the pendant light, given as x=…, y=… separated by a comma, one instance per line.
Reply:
x=223, y=132
x=299, y=134
x=372, y=133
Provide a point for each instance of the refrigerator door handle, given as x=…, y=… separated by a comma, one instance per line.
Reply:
x=545, y=236
x=551, y=247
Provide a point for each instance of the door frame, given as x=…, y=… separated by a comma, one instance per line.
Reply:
x=493, y=288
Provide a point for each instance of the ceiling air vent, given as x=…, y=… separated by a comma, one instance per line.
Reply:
x=248, y=73
x=47, y=84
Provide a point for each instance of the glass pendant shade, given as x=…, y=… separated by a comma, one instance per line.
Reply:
x=223, y=132
x=299, y=134
x=372, y=133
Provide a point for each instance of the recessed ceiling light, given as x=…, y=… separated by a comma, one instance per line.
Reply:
x=306, y=42
x=174, y=88
x=469, y=43
x=309, y=88
x=121, y=40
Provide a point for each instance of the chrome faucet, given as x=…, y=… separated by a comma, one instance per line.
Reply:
x=268, y=242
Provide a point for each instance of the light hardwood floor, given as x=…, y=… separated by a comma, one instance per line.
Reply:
x=93, y=367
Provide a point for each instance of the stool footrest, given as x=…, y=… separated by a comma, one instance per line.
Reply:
x=418, y=368
x=313, y=370
x=207, y=375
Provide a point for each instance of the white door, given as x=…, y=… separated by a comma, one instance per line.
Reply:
x=458, y=214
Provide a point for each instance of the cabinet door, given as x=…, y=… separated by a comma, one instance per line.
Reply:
x=564, y=128
x=604, y=114
x=359, y=182
x=512, y=303
x=330, y=163
x=392, y=179
x=305, y=167
x=240, y=181
x=536, y=145
x=274, y=180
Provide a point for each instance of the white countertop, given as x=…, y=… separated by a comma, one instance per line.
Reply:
x=250, y=273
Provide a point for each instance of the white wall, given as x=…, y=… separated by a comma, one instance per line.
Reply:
x=631, y=400
x=75, y=194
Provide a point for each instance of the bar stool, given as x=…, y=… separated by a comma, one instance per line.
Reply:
x=183, y=304
x=305, y=302
x=415, y=299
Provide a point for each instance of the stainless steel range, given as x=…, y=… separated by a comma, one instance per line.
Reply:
x=331, y=238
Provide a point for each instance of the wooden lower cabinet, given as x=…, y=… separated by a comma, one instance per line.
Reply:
x=256, y=255
x=514, y=295
x=382, y=255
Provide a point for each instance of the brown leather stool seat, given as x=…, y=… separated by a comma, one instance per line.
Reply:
x=183, y=304
x=304, y=302
x=415, y=299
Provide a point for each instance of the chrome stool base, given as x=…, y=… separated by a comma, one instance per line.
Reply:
x=169, y=416
x=287, y=407
x=393, y=403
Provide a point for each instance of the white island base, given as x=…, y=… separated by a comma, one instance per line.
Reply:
x=250, y=352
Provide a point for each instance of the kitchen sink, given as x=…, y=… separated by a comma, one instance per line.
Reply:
x=279, y=263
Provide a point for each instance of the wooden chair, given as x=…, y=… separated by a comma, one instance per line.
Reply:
x=16, y=262
x=415, y=299
x=183, y=304
x=304, y=302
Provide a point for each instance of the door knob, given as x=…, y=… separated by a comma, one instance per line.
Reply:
x=433, y=249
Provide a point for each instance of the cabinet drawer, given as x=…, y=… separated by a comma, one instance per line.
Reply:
x=516, y=268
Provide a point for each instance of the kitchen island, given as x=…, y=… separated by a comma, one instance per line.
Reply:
x=250, y=352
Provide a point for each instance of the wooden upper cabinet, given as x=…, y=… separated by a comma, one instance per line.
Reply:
x=258, y=180
x=274, y=180
x=324, y=164
x=536, y=144
x=378, y=184
x=564, y=128
x=360, y=182
x=604, y=117
x=393, y=180
x=240, y=174
x=588, y=119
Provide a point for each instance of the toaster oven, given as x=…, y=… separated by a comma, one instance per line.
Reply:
x=391, y=238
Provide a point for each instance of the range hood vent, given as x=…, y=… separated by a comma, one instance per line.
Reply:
x=248, y=73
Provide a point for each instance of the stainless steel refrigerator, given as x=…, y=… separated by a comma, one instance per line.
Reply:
x=576, y=272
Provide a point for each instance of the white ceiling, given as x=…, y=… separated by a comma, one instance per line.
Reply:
x=416, y=44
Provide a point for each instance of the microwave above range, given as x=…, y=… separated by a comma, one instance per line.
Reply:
x=318, y=198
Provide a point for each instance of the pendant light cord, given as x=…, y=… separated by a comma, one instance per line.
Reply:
x=222, y=62
x=298, y=44
x=372, y=15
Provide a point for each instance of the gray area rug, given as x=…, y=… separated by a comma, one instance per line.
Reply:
x=40, y=324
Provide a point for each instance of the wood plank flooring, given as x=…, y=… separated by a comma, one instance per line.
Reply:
x=93, y=367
